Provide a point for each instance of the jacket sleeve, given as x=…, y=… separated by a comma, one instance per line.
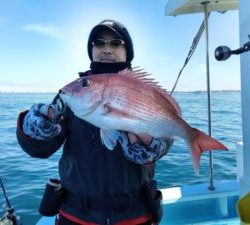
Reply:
x=38, y=148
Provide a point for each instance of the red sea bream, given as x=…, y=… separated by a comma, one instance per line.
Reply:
x=131, y=101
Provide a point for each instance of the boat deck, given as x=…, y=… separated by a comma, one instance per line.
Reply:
x=234, y=221
x=196, y=204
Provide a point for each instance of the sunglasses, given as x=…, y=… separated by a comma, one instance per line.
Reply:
x=115, y=43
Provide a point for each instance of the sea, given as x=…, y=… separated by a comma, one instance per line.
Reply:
x=24, y=177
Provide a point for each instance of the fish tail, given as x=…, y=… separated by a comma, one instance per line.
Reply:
x=200, y=142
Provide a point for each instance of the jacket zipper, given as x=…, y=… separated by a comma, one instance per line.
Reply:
x=106, y=185
x=108, y=221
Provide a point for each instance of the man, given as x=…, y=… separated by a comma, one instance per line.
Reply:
x=100, y=186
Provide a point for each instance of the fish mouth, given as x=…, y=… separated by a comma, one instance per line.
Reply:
x=64, y=91
x=65, y=94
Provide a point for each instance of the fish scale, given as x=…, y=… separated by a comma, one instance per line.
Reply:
x=143, y=111
x=145, y=105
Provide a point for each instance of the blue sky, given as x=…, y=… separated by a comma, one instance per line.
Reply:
x=43, y=43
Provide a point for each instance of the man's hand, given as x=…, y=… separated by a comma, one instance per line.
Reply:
x=110, y=137
x=143, y=149
x=36, y=124
x=143, y=138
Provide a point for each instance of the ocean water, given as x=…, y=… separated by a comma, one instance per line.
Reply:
x=25, y=177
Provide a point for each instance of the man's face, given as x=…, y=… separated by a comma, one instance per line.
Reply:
x=108, y=53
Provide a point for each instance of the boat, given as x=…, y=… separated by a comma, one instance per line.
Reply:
x=214, y=202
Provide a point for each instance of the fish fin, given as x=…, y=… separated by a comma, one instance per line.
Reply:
x=142, y=76
x=109, y=138
x=200, y=142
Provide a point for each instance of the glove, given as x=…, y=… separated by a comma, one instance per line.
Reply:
x=37, y=125
x=140, y=153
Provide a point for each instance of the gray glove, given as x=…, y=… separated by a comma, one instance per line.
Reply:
x=37, y=125
x=141, y=153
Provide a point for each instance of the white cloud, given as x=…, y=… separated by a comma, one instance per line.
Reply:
x=44, y=29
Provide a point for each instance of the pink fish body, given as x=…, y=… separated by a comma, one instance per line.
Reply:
x=133, y=102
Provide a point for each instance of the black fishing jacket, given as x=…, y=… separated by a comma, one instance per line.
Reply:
x=87, y=167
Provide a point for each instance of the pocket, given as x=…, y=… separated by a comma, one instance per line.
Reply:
x=157, y=209
x=52, y=198
x=154, y=197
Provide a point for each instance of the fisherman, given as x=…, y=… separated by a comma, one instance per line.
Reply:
x=99, y=186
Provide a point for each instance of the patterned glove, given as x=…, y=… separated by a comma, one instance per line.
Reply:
x=140, y=153
x=37, y=126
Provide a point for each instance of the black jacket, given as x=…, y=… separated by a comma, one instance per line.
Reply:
x=87, y=167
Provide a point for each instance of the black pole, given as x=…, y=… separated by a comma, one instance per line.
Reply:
x=10, y=210
x=4, y=193
x=205, y=4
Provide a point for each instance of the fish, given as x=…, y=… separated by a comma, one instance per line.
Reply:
x=132, y=101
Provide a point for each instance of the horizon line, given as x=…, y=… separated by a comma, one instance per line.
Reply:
x=54, y=92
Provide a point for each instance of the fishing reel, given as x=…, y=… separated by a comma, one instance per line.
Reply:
x=9, y=218
x=6, y=221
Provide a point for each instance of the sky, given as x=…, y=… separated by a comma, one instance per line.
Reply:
x=43, y=44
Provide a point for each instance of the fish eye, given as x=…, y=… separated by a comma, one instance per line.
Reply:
x=86, y=82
